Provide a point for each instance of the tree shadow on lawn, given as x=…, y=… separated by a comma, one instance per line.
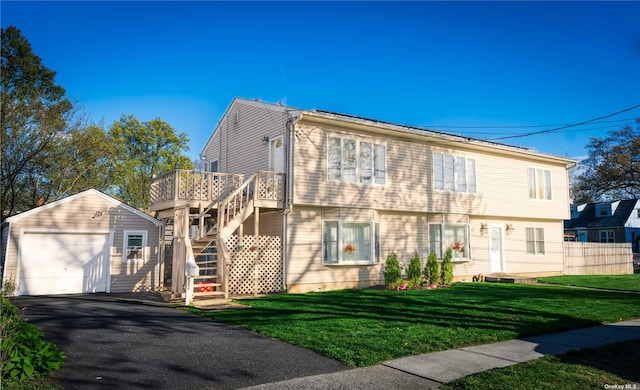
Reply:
x=508, y=311
x=620, y=359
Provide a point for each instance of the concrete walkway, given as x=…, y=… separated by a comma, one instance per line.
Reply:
x=431, y=370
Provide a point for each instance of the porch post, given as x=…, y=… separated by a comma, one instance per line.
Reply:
x=256, y=242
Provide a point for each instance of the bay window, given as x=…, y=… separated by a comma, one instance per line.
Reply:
x=350, y=242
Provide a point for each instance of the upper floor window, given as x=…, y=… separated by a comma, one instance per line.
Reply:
x=535, y=240
x=454, y=173
x=354, y=161
x=539, y=183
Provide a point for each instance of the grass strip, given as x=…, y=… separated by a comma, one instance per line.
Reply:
x=609, y=282
x=595, y=368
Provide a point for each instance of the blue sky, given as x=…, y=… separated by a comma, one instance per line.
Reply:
x=482, y=69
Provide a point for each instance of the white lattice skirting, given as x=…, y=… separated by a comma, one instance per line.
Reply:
x=255, y=268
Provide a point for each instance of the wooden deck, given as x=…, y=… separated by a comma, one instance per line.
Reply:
x=195, y=189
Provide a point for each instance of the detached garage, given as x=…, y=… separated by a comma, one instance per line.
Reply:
x=85, y=243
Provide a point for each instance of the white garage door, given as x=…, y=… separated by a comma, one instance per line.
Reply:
x=63, y=263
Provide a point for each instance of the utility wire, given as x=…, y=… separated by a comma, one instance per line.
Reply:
x=516, y=127
x=565, y=126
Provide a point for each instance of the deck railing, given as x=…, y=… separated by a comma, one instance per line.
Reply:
x=193, y=185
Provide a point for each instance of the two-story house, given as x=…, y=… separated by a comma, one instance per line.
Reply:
x=308, y=200
x=616, y=221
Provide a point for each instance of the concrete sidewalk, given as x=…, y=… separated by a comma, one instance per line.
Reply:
x=431, y=370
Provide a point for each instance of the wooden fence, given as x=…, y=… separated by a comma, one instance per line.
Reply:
x=594, y=258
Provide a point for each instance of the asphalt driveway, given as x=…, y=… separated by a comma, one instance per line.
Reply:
x=129, y=341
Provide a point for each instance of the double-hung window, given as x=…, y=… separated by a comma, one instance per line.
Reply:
x=135, y=243
x=353, y=161
x=535, y=240
x=607, y=236
x=454, y=173
x=539, y=183
x=351, y=242
x=449, y=236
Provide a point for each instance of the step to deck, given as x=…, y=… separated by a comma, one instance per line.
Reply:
x=504, y=278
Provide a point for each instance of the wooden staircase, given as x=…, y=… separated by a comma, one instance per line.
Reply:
x=209, y=251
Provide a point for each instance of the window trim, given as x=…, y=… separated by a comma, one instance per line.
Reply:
x=440, y=241
x=340, y=261
x=544, y=183
x=358, y=141
x=210, y=164
x=607, y=232
x=536, y=240
x=125, y=244
x=458, y=174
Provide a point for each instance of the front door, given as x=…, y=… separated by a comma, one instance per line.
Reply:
x=496, y=263
x=276, y=155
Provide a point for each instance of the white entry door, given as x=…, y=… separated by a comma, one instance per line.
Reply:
x=496, y=261
x=276, y=154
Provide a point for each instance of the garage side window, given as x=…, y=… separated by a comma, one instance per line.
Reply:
x=135, y=243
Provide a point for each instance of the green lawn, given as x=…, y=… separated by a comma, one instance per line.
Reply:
x=586, y=369
x=365, y=327
x=611, y=282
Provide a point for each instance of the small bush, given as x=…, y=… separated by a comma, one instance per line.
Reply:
x=446, y=270
x=414, y=273
x=25, y=354
x=431, y=269
x=392, y=277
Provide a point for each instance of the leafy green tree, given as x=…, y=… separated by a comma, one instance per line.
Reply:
x=35, y=116
x=392, y=276
x=446, y=269
x=414, y=272
x=431, y=269
x=142, y=150
x=612, y=170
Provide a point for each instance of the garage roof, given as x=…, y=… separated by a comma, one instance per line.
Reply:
x=91, y=191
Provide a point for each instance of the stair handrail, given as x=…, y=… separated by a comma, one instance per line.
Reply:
x=236, y=201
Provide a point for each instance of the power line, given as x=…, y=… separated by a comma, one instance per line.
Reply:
x=488, y=133
x=564, y=126
x=516, y=127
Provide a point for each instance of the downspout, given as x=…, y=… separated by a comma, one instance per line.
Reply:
x=288, y=197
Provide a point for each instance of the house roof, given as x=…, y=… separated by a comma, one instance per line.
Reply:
x=71, y=198
x=589, y=220
x=383, y=126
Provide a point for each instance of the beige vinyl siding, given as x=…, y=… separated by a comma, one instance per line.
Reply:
x=305, y=270
x=82, y=214
x=134, y=275
x=404, y=233
x=270, y=224
x=502, y=181
x=237, y=144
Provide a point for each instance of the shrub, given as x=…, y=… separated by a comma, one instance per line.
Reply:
x=414, y=273
x=431, y=269
x=392, y=277
x=25, y=354
x=446, y=270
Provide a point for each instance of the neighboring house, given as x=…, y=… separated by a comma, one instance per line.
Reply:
x=617, y=221
x=85, y=243
x=334, y=194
